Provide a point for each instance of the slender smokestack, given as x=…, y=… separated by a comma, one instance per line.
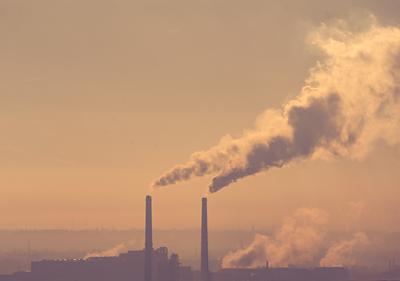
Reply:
x=148, y=241
x=204, y=241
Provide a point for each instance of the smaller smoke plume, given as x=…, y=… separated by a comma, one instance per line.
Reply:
x=297, y=242
x=300, y=241
x=112, y=252
x=343, y=253
x=253, y=256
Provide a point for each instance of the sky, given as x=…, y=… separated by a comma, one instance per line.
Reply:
x=99, y=98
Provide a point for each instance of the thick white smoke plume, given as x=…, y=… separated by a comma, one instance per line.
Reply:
x=297, y=242
x=300, y=241
x=343, y=253
x=350, y=100
x=112, y=252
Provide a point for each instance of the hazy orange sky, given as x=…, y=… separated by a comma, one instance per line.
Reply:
x=98, y=98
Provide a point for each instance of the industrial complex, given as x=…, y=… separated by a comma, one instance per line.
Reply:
x=152, y=264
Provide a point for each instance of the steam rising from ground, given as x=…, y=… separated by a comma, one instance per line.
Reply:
x=299, y=242
x=349, y=101
x=343, y=253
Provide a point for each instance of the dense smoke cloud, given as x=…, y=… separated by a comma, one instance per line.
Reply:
x=300, y=241
x=297, y=242
x=350, y=100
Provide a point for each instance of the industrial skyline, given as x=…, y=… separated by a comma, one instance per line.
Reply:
x=157, y=265
x=201, y=140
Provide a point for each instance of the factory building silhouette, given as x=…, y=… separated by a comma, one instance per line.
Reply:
x=142, y=265
x=157, y=265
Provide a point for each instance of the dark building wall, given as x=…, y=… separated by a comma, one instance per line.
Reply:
x=186, y=273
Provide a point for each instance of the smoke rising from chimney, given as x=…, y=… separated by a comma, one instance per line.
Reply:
x=350, y=100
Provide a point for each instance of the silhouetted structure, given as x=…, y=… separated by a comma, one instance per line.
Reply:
x=282, y=274
x=144, y=265
x=125, y=267
x=156, y=265
x=204, y=272
x=148, y=249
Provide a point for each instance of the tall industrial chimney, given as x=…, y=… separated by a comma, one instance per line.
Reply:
x=148, y=248
x=204, y=274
